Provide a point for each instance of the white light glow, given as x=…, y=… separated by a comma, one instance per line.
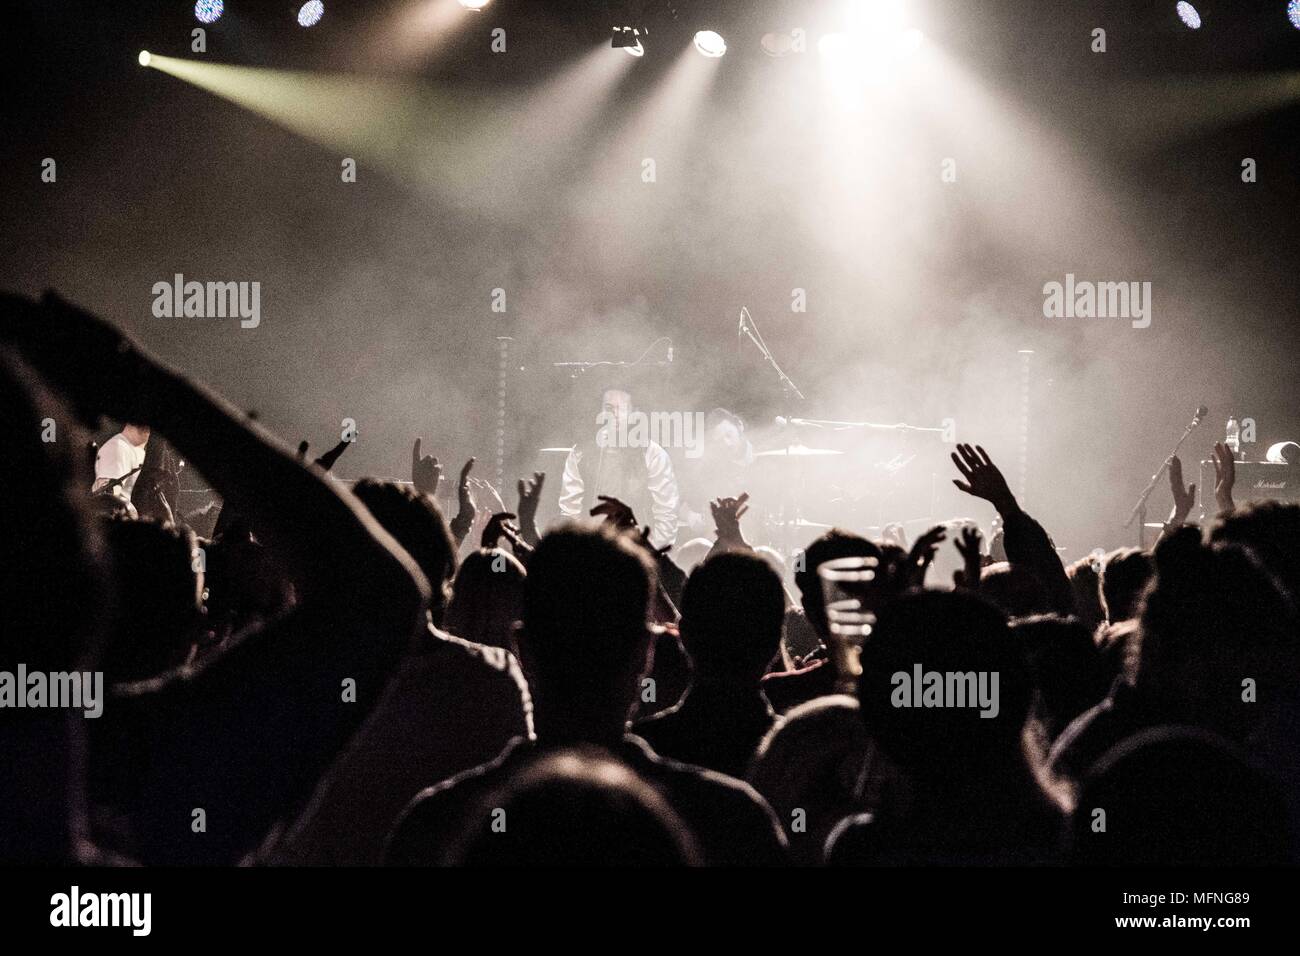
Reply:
x=710, y=43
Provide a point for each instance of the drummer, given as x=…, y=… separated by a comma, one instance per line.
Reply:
x=720, y=471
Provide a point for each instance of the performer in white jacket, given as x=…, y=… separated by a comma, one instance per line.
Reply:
x=638, y=473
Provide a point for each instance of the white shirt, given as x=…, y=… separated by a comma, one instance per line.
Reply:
x=117, y=457
x=660, y=482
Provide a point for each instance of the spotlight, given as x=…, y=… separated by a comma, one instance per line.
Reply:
x=835, y=46
x=474, y=4
x=209, y=11
x=629, y=39
x=883, y=17
x=309, y=13
x=872, y=50
x=710, y=43
x=777, y=44
x=144, y=57
x=1187, y=13
x=1293, y=13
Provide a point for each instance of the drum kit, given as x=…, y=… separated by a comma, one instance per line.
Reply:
x=863, y=485
x=802, y=489
x=785, y=526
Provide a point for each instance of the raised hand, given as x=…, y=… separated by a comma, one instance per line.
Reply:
x=1184, y=496
x=983, y=478
x=465, y=500
x=616, y=513
x=727, y=513
x=163, y=505
x=498, y=527
x=530, y=493
x=467, y=507
x=494, y=504
x=643, y=535
x=327, y=460
x=922, y=555
x=1225, y=476
x=426, y=473
x=968, y=546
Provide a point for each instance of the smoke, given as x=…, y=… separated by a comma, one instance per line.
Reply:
x=887, y=293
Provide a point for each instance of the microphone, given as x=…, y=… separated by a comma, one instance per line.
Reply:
x=1200, y=413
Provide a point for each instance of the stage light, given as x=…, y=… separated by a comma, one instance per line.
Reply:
x=882, y=18
x=1187, y=13
x=209, y=11
x=835, y=46
x=144, y=57
x=1293, y=13
x=309, y=13
x=474, y=4
x=777, y=44
x=628, y=39
x=710, y=43
x=871, y=51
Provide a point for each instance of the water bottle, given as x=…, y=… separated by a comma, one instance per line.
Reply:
x=1233, y=437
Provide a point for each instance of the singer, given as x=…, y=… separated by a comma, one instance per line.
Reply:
x=640, y=476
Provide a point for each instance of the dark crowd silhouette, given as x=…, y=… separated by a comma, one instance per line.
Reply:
x=338, y=675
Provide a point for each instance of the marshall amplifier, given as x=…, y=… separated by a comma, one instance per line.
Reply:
x=1256, y=481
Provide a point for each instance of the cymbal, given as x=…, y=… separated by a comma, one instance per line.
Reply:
x=797, y=523
x=544, y=451
x=797, y=451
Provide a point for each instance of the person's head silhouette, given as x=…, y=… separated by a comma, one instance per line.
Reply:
x=1212, y=618
x=1178, y=796
x=733, y=607
x=418, y=525
x=945, y=633
x=584, y=639
x=487, y=598
x=575, y=807
x=835, y=543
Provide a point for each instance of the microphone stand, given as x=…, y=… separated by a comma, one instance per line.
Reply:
x=1139, y=511
x=579, y=367
x=745, y=327
x=841, y=426
x=791, y=512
